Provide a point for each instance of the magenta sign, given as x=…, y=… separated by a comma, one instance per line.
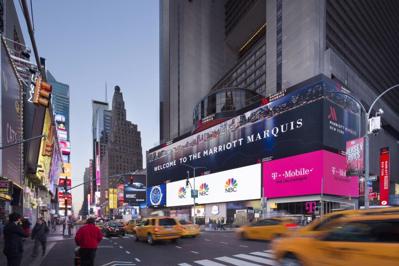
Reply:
x=319, y=172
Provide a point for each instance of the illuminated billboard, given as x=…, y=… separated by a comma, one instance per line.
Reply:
x=308, y=119
x=233, y=185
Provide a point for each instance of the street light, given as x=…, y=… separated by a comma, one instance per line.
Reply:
x=194, y=192
x=366, y=137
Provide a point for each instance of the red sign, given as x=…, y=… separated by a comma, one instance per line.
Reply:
x=61, y=182
x=384, y=176
x=372, y=195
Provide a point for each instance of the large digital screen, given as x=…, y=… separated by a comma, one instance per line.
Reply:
x=135, y=190
x=319, y=172
x=156, y=196
x=306, y=120
x=233, y=185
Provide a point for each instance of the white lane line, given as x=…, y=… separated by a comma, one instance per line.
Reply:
x=243, y=246
x=127, y=252
x=207, y=240
x=137, y=259
x=225, y=243
x=178, y=247
x=263, y=254
x=195, y=252
x=268, y=251
x=255, y=259
x=184, y=264
x=120, y=247
x=106, y=246
x=236, y=261
x=208, y=263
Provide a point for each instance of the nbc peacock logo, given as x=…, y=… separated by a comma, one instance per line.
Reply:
x=181, y=193
x=204, y=189
x=231, y=185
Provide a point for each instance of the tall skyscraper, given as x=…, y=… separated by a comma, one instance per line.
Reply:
x=60, y=98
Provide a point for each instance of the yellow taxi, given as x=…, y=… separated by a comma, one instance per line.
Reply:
x=329, y=220
x=358, y=240
x=158, y=228
x=187, y=229
x=130, y=227
x=266, y=229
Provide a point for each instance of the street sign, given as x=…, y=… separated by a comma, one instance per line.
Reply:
x=194, y=193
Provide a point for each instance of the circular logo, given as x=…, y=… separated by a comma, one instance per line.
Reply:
x=156, y=195
x=215, y=210
x=384, y=202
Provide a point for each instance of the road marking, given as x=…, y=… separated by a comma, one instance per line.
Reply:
x=236, y=261
x=224, y=243
x=120, y=247
x=137, y=259
x=207, y=240
x=178, y=247
x=268, y=251
x=106, y=246
x=255, y=259
x=263, y=254
x=208, y=263
x=243, y=246
x=127, y=252
x=184, y=264
x=114, y=262
x=195, y=252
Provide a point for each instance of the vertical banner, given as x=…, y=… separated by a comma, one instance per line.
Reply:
x=384, y=176
x=355, y=157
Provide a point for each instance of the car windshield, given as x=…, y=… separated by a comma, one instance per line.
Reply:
x=184, y=222
x=167, y=221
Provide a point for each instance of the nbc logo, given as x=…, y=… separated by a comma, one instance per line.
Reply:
x=230, y=185
x=203, y=189
x=181, y=193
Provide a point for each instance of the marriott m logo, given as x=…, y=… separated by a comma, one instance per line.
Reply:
x=333, y=114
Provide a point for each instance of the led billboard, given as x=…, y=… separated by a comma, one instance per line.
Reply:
x=319, y=172
x=135, y=190
x=305, y=120
x=233, y=185
x=156, y=196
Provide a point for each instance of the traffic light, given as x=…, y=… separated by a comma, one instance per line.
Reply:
x=42, y=93
x=47, y=149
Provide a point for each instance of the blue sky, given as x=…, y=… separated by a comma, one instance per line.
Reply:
x=88, y=43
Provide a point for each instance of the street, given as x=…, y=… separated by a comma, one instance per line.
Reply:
x=211, y=248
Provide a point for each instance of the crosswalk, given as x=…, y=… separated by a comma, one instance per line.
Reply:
x=257, y=258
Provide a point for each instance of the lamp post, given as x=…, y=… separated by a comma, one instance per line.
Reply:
x=366, y=138
x=194, y=192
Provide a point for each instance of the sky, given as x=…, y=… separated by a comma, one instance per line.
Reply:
x=90, y=43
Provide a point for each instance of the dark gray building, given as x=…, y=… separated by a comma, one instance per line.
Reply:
x=84, y=211
x=270, y=45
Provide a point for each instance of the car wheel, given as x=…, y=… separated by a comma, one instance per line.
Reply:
x=290, y=260
x=150, y=240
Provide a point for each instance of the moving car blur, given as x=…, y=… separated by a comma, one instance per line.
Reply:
x=113, y=229
x=188, y=229
x=130, y=227
x=355, y=238
x=158, y=228
x=267, y=229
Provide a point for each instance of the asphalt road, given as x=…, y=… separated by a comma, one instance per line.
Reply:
x=210, y=249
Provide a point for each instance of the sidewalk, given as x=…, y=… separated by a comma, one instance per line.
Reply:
x=27, y=259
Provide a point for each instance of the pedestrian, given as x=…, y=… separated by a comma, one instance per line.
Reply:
x=219, y=228
x=64, y=225
x=222, y=224
x=13, y=235
x=70, y=225
x=54, y=224
x=39, y=234
x=1, y=228
x=87, y=238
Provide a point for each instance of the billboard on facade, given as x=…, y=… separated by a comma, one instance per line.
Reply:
x=296, y=123
x=156, y=196
x=135, y=190
x=11, y=120
x=98, y=167
x=384, y=176
x=238, y=184
x=67, y=170
x=319, y=172
x=355, y=157
x=112, y=198
x=120, y=191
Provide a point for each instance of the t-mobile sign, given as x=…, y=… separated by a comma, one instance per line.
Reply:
x=319, y=172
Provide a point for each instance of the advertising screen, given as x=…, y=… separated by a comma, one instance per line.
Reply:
x=384, y=176
x=233, y=185
x=355, y=156
x=135, y=190
x=156, y=196
x=120, y=191
x=112, y=198
x=296, y=123
x=309, y=174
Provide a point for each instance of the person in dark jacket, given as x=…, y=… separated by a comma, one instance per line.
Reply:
x=26, y=226
x=13, y=245
x=87, y=238
x=39, y=234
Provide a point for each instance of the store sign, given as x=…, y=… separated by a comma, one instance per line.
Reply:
x=305, y=120
x=120, y=192
x=156, y=196
x=67, y=170
x=355, y=157
x=233, y=185
x=65, y=147
x=384, y=176
x=319, y=172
